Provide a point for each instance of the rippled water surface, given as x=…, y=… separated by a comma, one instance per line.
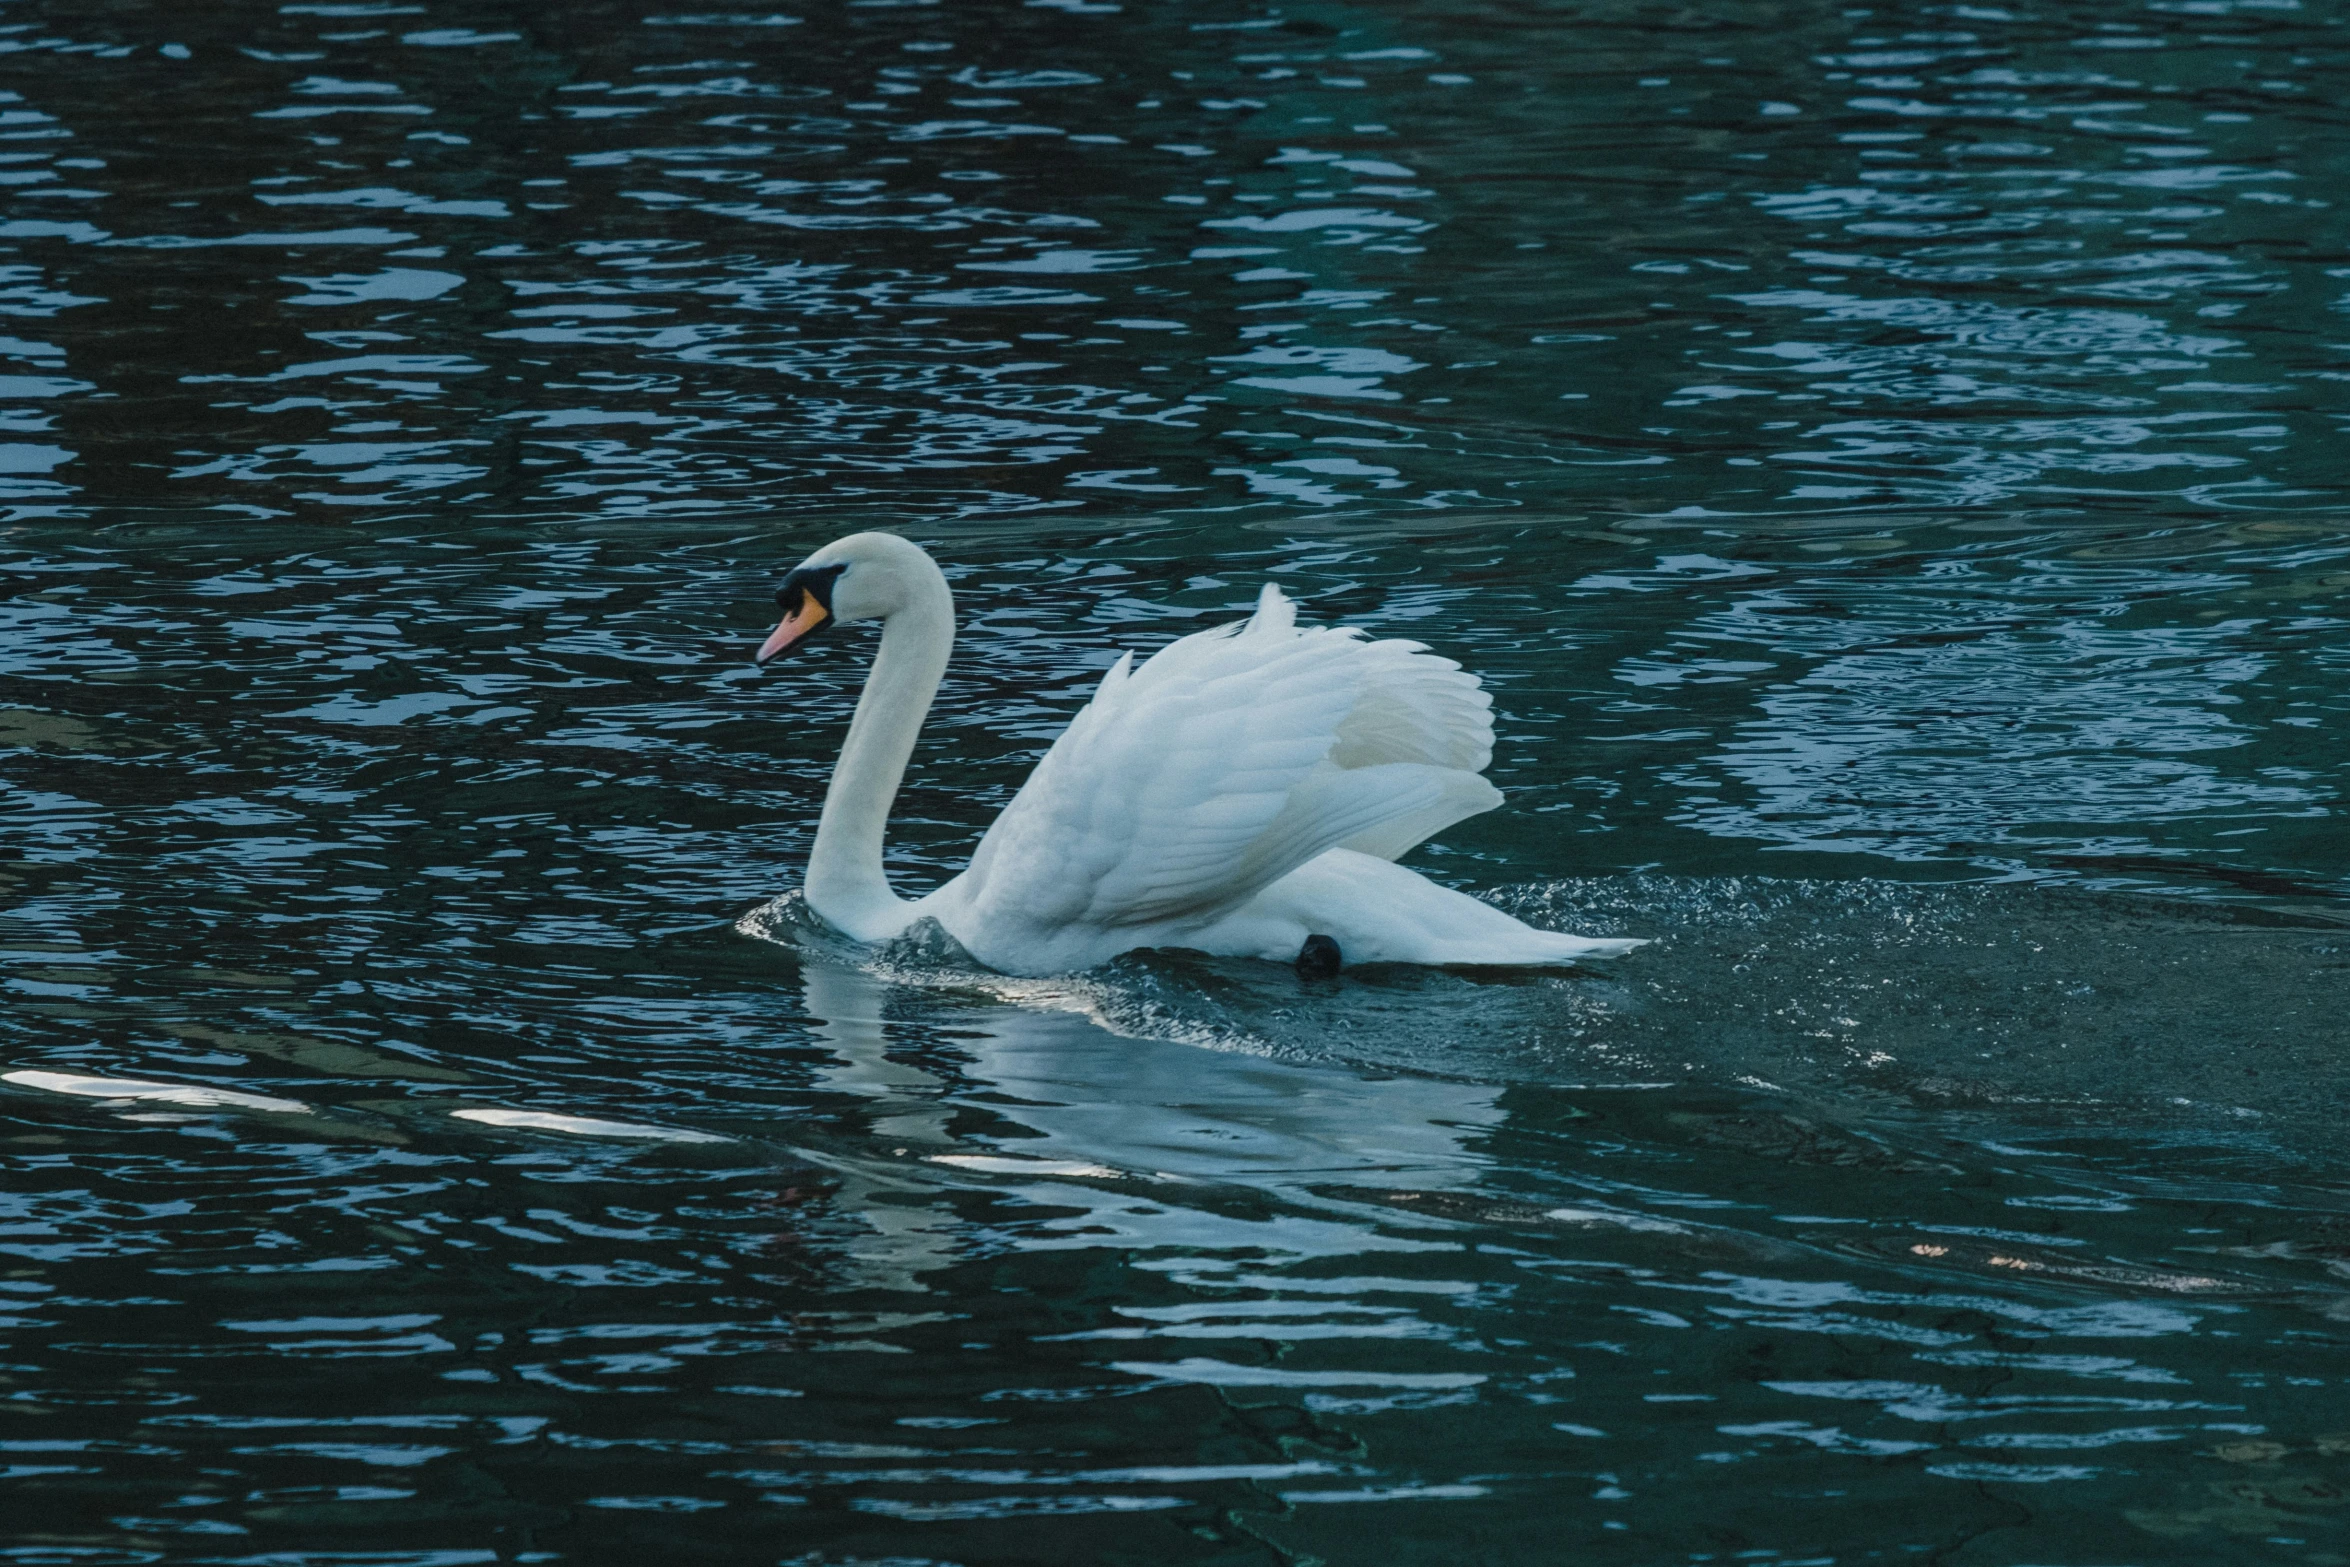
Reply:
x=1887, y=463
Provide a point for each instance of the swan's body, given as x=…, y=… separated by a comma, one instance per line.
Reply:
x=1244, y=788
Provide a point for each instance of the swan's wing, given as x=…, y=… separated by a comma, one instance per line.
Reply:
x=1189, y=784
x=1458, y=796
x=1416, y=707
x=1419, y=708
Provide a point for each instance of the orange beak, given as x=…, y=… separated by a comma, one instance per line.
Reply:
x=796, y=628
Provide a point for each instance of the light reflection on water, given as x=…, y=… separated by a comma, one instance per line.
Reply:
x=602, y=266
x=1884, y=463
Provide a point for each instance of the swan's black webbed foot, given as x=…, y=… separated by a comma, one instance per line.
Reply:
x=1318, y=958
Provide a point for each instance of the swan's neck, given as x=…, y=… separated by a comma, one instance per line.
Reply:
x=846, y=884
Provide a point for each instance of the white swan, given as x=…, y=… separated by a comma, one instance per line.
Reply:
x=1246, y=790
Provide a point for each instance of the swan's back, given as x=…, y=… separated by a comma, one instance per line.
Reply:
x=1222, y=763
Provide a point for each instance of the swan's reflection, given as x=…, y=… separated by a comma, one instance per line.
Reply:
x=846, y=1007
x=908, y=1235
x=1076, y=1115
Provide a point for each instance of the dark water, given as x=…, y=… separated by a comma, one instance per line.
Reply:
x=1888, y=464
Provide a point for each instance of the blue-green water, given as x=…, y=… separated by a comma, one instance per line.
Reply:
x=1887, y=464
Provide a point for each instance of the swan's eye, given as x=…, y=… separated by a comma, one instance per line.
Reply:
x=805, y=583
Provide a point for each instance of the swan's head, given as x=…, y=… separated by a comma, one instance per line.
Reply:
x=866, y=576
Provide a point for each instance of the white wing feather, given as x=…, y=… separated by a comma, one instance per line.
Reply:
x=1224, y=762
x=1416, y=707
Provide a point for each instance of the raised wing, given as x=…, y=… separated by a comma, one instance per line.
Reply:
x=1419, y=708
x=1416, y=707
x=1226, y=761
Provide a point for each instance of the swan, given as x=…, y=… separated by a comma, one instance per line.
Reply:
x=1245, y=791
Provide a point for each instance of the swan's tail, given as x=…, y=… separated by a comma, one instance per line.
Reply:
x=1550, y=946
x=1379, y=912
